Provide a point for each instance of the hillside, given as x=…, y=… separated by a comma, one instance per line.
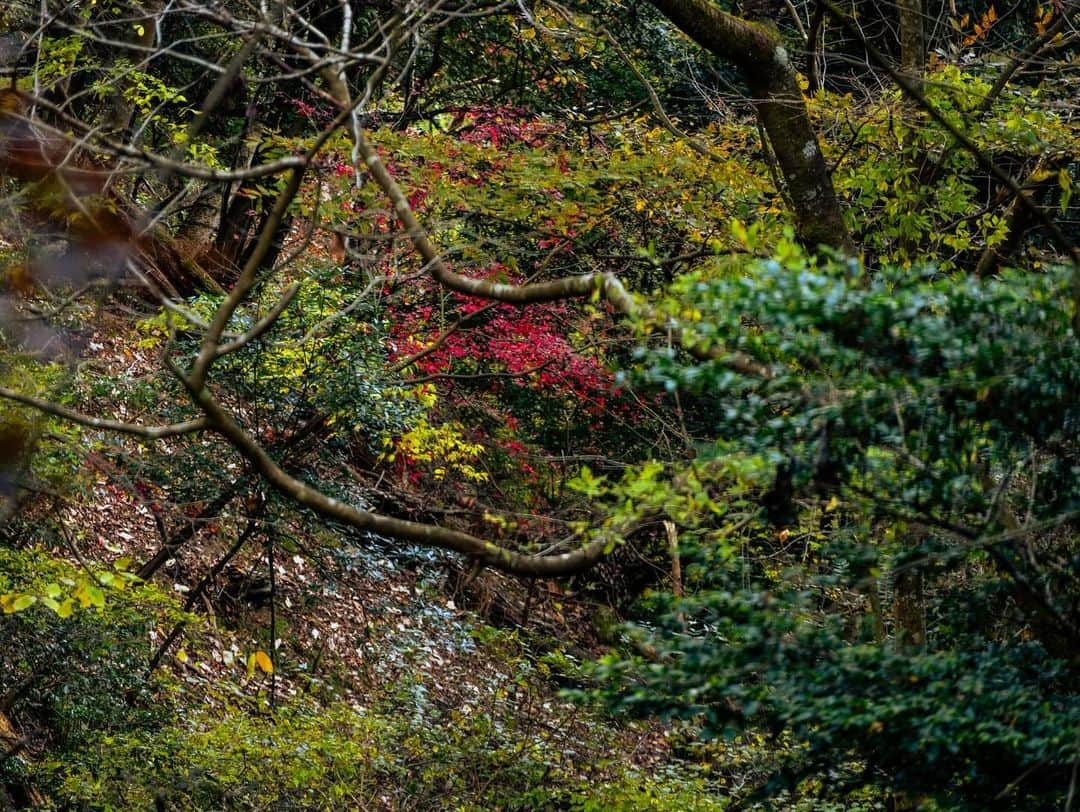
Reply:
x=629, y=405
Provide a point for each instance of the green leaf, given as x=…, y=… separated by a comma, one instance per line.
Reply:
x=739, y=232
x=585, y=482
x=52, y=604
x=90, y=595
x=23, y=602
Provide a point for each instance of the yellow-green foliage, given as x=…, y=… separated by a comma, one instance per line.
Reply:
x=76, y=642
x=337, y=757
x=444, y=446
x=910, y=191
x=34, y=578
x=86, y=589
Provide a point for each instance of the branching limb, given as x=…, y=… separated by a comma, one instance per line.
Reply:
x=568, y=287
x=264, y=324
x=152, y=159
x=133, y=429
x=210, y=347
x=189, y=604
x=408, y=361
x=427, y=535
x=1019, y=61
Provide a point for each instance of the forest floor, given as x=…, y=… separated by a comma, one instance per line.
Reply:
x=345, y=619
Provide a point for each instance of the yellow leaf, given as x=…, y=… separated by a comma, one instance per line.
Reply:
x=16, y=603
x=262, y=659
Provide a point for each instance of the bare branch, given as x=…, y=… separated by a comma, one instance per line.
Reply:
x=175, y=167
x=264, y=324
x=134, y=429
x=912, y=90
x=208, y=351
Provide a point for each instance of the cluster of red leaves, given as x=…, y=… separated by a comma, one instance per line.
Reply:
x=502, y=125
x=529, y=346
x=503, y=362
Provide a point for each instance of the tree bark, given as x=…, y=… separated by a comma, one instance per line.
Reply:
x=757, y=50
x=912, y=40
x=909, y=611
x=909, y=601
x=25, y=794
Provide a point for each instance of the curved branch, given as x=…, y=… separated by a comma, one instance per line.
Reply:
x=403, y=363
x=427, y=535
x=209, y=351
x=134, y=429
x=264, y=324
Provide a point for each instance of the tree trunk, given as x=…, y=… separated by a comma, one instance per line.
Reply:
x=909, y=611
x=25, y=794
x=759, y=53
x=908, y=598
x=912, y=40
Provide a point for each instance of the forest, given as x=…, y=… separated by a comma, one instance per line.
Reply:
x=540, y=404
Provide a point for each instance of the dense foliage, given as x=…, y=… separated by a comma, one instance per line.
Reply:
x=747, y=331
x=888, y=444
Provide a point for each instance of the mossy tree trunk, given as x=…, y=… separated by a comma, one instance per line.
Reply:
x=758, y=51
